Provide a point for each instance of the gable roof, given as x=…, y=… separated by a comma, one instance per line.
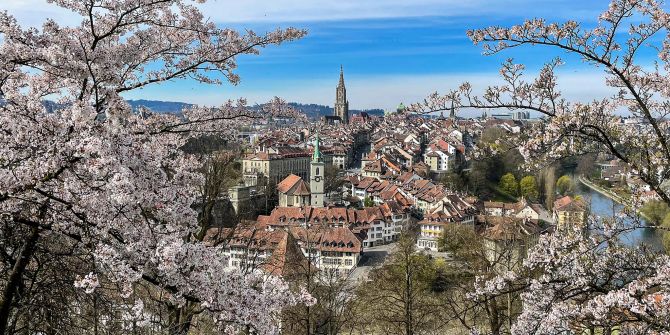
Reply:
x=569, y=204
x=287, y=183
x=508, y=228
x=293, y=185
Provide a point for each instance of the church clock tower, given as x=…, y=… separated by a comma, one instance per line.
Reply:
x=341, y=103
x=317, y=174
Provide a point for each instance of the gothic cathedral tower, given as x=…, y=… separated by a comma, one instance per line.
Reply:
x=317, y=173
x=341, y=103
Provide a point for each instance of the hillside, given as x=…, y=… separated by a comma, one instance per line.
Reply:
x=312, y=111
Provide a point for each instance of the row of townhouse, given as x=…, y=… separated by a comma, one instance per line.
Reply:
x=408, y=189
x=438, y=206
x=519, y=209
x=376, y=225
x=334, y=251
x=292, y=252
x=278, y=153
x=251, y=247
x=452, y=209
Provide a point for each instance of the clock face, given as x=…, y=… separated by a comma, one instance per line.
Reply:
x=317, y=179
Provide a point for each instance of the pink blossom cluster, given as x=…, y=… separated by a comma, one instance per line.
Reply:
x=573, y=282
x=88, y=168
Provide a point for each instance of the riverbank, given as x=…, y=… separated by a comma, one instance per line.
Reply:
x=609, y=194
x=619, y=199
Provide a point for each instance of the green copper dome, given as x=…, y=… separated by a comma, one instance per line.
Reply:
x=401, y=107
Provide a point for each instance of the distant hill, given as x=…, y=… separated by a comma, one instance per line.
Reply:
x=315, y=111
x=169, y=107
x=312, y=111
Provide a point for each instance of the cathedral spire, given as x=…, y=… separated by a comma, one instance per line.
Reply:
x=341, y=109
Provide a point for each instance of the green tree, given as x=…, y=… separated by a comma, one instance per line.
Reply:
x=656, y=211
x=478, y=177
x=474, y=258
x=332, y=180
x=454, y=181
x=509, y=185
x=368, y=202
x=666, y=233
x=399, y=298
x=564, y=185
x=528, y=187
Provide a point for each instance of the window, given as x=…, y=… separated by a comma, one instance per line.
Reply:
x=348, y=262
x=317, y=171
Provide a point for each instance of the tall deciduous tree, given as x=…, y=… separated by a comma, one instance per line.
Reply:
x=112, y=183
x=476, y=259
x=398, y=298
x=564, y=185
x=589, y=283
x=509, y=185
x=528, y=187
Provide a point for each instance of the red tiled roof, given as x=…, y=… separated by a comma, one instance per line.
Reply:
x=567, y=203
x=293, y=185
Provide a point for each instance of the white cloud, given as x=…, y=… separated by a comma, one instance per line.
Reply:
x=384, y=91
x=33, y=12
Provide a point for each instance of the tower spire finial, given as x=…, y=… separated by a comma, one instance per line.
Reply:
x=341, y=75
x=316, y=156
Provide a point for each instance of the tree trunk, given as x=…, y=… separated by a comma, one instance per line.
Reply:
x=494, y=320
x=408, y=296
x=180, y=320
x=15, y=276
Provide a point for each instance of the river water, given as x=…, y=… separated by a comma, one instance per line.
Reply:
x=606, y=207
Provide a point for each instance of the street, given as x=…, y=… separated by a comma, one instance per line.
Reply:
x=372, y=257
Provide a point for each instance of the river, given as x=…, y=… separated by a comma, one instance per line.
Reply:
x=606, y=207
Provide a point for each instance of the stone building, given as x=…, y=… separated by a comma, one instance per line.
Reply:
x=569, y=212
x=507, y=239
x=269, y=168
x=295, y=192
x=334, y=251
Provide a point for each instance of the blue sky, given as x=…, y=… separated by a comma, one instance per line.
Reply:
x=391, y=50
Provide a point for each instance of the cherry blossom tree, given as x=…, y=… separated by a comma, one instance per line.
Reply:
x=578, y=282
x=115, y=183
